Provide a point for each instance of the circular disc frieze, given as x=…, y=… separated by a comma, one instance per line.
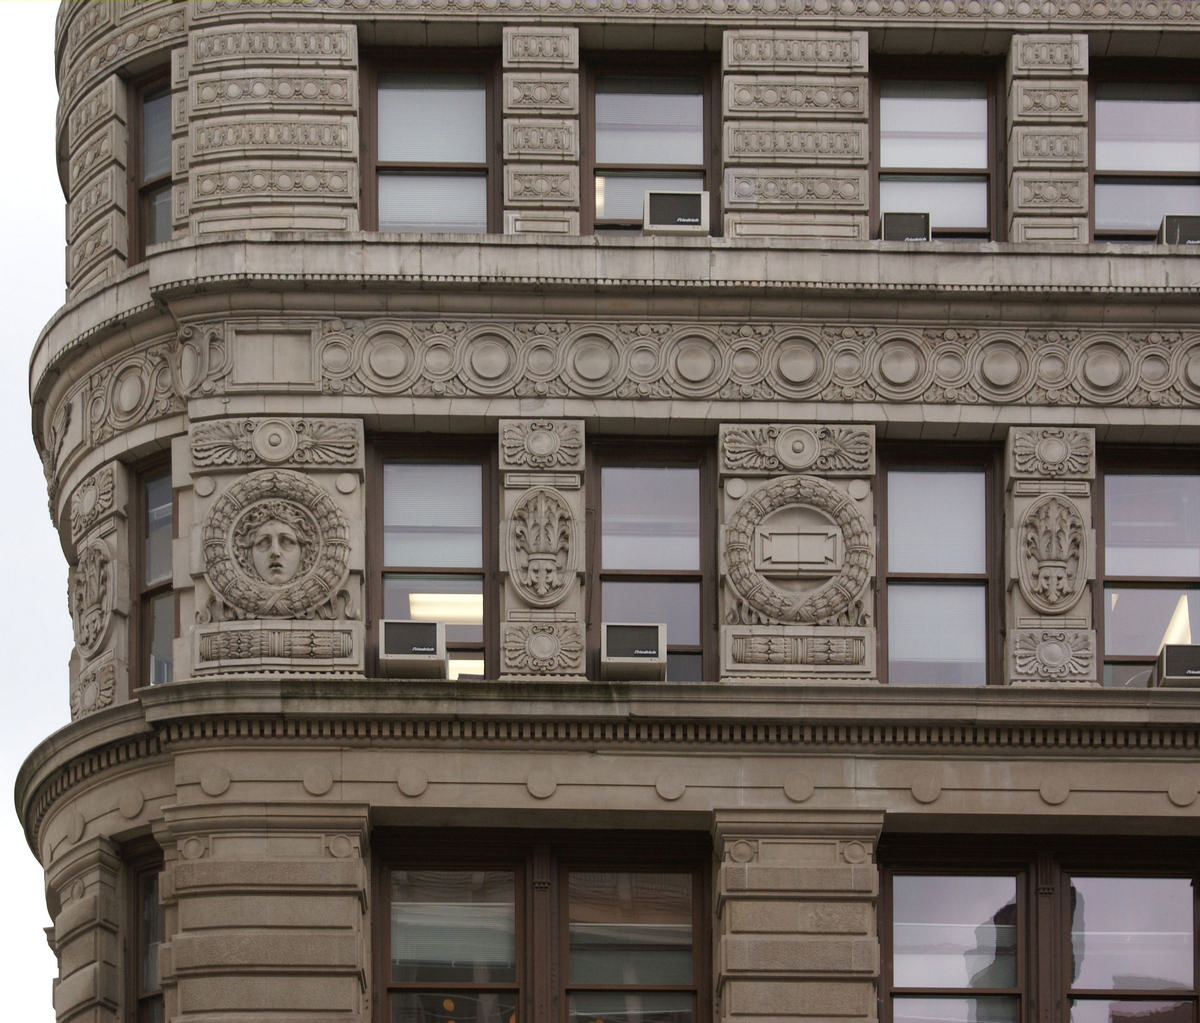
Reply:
x=593, y=364
x=491, y=365
x=800, y=368
x=901, y=369
x=1103, y=372
x=695, y=365
x=1005, y=370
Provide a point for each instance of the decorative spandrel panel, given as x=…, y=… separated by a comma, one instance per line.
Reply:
x=797, y=551
x=1051, y=555
x=278, y=537
x=541, y=548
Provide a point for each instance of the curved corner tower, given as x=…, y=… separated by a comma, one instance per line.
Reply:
x=641, y=511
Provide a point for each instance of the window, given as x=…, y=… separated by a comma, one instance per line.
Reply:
x=1147, y=156
x=650, y=135
x=433, y=150
x=144, y=926
x=1150, y=566
x=979, y=942
x=654, y=547
x=437, y=553
x=152, y=170
x=936, y=150
x=498, y=927
x=156, y=598
x=937, y=597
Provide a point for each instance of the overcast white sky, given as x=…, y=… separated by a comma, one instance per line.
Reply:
x=36, y=628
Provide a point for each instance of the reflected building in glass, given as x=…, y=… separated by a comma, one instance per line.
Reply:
x=544, y=546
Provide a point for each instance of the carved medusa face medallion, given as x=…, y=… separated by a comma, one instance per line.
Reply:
x=276, y=546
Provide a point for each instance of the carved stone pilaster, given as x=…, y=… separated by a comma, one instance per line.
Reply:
x=1047, y=138
x=797, y=551
x=795, y=122
x=1051, y=555
x=276, y=506
x=541, y=130
x=542, y=548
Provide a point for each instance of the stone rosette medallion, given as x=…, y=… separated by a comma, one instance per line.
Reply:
x=320, y=527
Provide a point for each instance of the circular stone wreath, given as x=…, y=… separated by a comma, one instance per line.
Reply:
x=829, y=600
x=323, y=567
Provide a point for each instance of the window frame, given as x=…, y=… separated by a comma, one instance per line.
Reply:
x=145, y=593
x=642, y=452
x=1045, y=868
x=946, y=459
x=635, y=65
x=1133, y=72
x=419, y=449
x=542, y=860
x=376, y=64
x=986, y=70
x=1131, y=462
x=142, y=190
x=142, y=859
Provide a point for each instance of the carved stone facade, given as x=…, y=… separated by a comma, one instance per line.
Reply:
x=275, y=354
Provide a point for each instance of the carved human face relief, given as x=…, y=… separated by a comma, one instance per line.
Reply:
x=276, y=552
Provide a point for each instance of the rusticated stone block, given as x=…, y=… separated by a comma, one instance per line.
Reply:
x=862, y=880
x=1048, y=100
x=541, y=46
x=541, y=92
x=798, y=917
x=796, y=189
x=312, y=951
x=1039, y=146
x=541, y=185
x=785, y=50
x=1036, y=191
x=799, y=956
x=784, y=998
x=541, y=222
x=1036, y=230
x=813, y=224
x=795, y=142
x=783, y=96
x=279, y=43
x=537, y=139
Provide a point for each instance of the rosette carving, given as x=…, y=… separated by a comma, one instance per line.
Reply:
x=541, y=444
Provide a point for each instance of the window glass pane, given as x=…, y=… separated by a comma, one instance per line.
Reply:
x=1098, y=1010
x=936, y=522
x=954, y=932
x=1131, y=932
x=933, y=124
x=157, y=211
x=456, y=600
x=455, y=203
x=685, y=667
x=993, y=1009
x=1141, y=205
x=630, y=1007
x=936, y=635
x=1147, y=127
x=162, y=638
x=150, y=934
x=630, y=929
x=1128, y=676
x=951, y=202
x=621, y=196
x=433, y=516
x=649, y=120
x=1137, y=622
x=1151, y=525
x=453, y=1006
x=156, y=135
x=432, y=118
x=651, y=518
x=453, y=926
x=677, y=604
x=157, y=492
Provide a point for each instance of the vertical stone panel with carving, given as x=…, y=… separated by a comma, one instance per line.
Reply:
x=794, y=127
x=278, y=512
x=1050, y=555
x=541, y=548
x=797, y=551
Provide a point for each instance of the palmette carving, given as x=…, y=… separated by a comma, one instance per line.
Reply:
x=94, y=690
x=541, y=444
x=1055, y=655
x=543, y=648
x=1053, y=452
x=776, y=448
x=541, y=544
x=257, y=570
x=301, y=442
x=91, y=501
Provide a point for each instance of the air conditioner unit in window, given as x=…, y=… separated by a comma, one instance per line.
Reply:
x=905, y=227
x=409, y=649
x=633, y=652
x=675, y=213
x=1179, y=230
x=1177, y=665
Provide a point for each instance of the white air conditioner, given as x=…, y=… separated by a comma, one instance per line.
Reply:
x=633, y=652
x=1179, y=230
x=410, y=649
x=1178, y=665
x=675, y=213
x=905, y=227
